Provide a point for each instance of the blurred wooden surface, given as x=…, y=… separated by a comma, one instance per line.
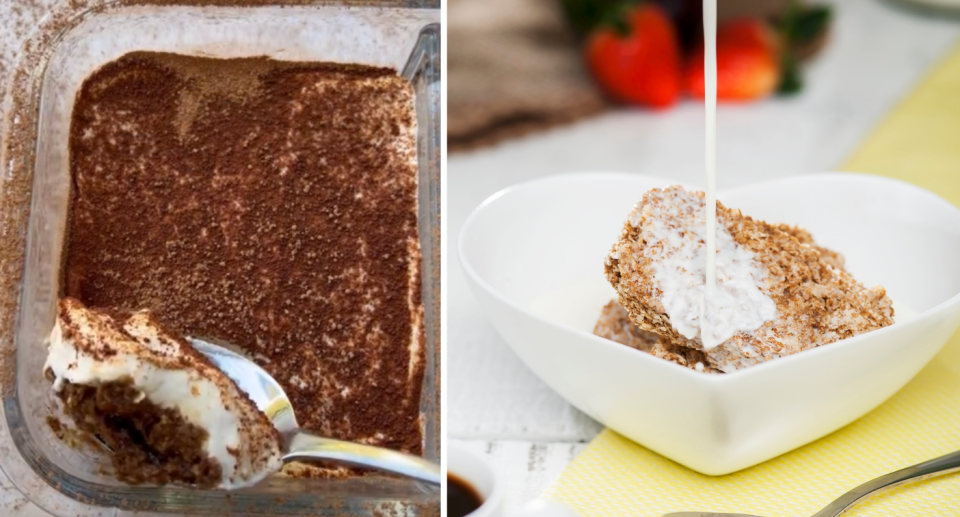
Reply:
x=514, y=67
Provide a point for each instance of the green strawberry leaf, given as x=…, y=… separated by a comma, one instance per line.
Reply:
x=800, y=27
x=810, y=24
x=587, y=15
x=791, y=80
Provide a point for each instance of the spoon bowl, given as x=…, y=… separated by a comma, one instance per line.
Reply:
x=301, y=445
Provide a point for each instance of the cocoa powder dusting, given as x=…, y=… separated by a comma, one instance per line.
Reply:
x=267, y=204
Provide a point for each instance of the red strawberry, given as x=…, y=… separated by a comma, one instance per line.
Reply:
x=748, y=66
x=640, y=64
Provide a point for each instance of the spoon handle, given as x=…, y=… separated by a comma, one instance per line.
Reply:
x=305, y=446
x=928, y=469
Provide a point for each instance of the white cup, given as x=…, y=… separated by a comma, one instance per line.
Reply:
x=477, y=472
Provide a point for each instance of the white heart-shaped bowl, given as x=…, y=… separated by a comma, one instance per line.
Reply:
x=533, y=255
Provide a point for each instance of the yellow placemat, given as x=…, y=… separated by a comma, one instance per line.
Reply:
x=918, y=142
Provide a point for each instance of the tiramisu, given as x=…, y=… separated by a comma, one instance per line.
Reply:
x=164, y=411
x=777, y=293
x=269, y=205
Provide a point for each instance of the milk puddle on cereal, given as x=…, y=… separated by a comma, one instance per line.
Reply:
x=578, y=303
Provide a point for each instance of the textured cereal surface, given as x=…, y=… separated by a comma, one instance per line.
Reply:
x=614, y=324
x=817, y=302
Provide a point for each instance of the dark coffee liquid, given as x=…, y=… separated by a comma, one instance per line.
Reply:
x=462, y=499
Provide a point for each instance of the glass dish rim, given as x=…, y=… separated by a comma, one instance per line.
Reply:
x=427, y=43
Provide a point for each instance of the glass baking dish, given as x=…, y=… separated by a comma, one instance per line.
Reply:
x=43, y=467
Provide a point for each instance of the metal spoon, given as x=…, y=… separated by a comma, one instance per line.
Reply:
x=300, y=445
x=928, y=469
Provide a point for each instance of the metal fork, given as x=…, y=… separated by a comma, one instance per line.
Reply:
x=928, y=469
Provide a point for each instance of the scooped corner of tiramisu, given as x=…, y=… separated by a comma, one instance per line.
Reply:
x=166, y=414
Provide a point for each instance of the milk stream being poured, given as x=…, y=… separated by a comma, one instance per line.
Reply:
x=738, y=304
x=710, y=106
x=674, y=233
x=693, y=299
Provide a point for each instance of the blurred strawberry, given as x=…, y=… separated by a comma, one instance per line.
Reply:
x=748, y=62
x=805, y=30
x=636, y=58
